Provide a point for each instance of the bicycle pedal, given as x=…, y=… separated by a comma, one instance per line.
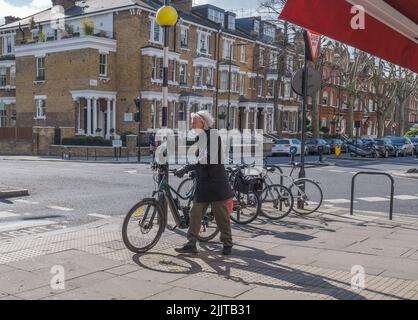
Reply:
x=171, y=228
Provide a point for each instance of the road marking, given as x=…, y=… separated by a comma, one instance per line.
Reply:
x=97, y=215
x=405, y=197
x=7, y=214
x=15, y=225
x=353, y=172
x=373, y=199
x=337, y=201
x=134, y=172
x=60, y=208
x=339, y=171
x=26, y=201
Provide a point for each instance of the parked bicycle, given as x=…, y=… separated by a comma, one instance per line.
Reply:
x=306, y=192
x=146, y=221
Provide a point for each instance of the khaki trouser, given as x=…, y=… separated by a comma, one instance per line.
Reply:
x=220, y=211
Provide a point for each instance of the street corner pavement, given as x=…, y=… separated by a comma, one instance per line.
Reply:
x=301, y=258
x=9, y=192
x=404, y=174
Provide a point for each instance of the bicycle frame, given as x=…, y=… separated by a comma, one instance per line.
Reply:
x=168, y=191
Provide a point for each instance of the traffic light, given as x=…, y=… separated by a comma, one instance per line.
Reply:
x=138, y=103
x=137, y=116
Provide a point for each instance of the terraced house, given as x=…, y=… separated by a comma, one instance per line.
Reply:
x=79, y=65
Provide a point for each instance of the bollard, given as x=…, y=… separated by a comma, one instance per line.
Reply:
x=320, y=152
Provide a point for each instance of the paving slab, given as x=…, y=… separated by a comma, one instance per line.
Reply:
x=275, y=294
x=186, y=294
x=117, y=288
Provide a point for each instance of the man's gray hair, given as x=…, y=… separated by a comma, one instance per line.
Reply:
x=206, y=117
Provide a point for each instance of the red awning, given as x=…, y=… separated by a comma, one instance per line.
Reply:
x=391, y=26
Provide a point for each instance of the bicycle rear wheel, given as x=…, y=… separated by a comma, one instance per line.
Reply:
x=278, y=202
x=209, y=229
x=143, y=226
x=246, y=207
x=308, y=196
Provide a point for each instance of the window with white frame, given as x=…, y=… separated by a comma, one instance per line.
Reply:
x=234, y=81
x=270, y=88
x=172, y=68
x=253, y=83
x=324, y=122
x=261, y=57
x=228, y=49
x=209, y=76
x=289, y=64
x=243, y=57
x=198, y=81
x=273, y=59
x=269, y=31
x=40, y=68
x=8, y=44
x=325, y=98
x=156, y=34
x=241, y=84
x=287, y=90
x=40, y=104
x=256, y=26
x=203, y=42
x=3, y=81
x=183, y=73
x=184, y=37
x=12, y=75
x=216, y=16
x=3, y=115
x=224, y=80
x=103, y=64
x=260, y=87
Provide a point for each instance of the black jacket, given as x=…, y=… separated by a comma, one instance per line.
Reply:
x=212, y=179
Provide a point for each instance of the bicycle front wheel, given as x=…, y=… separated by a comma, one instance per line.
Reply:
x=308, y=196
x=143, y=226
x=246, y=207
x=278, y=202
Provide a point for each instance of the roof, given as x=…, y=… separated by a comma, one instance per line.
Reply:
x=81, y=8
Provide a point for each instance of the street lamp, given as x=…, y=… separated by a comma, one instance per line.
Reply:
x=166, y=17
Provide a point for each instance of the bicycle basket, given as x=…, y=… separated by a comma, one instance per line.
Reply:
x=245, y=184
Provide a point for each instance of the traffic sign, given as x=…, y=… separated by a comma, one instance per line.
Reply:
x=293, y=150
x=314, y=40
x=314, y=82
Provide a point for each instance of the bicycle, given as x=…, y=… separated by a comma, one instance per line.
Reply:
x=246, y=201
x=307, y=193
x=146, y=221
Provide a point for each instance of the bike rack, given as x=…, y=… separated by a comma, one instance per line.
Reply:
x=392, y=190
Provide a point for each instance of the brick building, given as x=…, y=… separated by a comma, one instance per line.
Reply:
x=84, y=71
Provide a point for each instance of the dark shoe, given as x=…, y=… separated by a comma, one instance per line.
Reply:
x=227, y=250
x=187, y=248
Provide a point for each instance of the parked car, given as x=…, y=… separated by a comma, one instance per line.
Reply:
x=403, y=144
x=312, y=146
x=386, y=148
x=282, y=146
x=415, y=143
x=335, y=143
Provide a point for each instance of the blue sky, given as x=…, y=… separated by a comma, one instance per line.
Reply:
x=24, y=8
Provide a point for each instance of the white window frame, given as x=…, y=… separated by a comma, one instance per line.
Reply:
x=13, y=75
x=152, y=32
x=3, y=74
x=241, y=84
x=38, y=68
x=273, y=59
x=243, y=55
x=186, y=30
x=261, y=56
x=40, y=113
x=228, y=49
x=201, y=35
x=105, y=64
x=234, y=82
x=260, y=87
x=224, y=80
x=185, y=74
x=209, y=76
x=198, y=75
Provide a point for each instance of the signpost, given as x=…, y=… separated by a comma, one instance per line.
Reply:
x=307, y=81
x=117, y=144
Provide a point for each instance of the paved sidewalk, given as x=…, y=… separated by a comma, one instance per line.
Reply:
x=297, y=258
x=9, y=192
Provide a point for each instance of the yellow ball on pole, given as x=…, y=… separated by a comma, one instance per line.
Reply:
x=167, y=16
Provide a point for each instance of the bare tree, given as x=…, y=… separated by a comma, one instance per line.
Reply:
x=406, y=85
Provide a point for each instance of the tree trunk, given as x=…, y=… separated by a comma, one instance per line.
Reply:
x=315, y=116
x=350, y=107
x=401, y=121
x=380, y=124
